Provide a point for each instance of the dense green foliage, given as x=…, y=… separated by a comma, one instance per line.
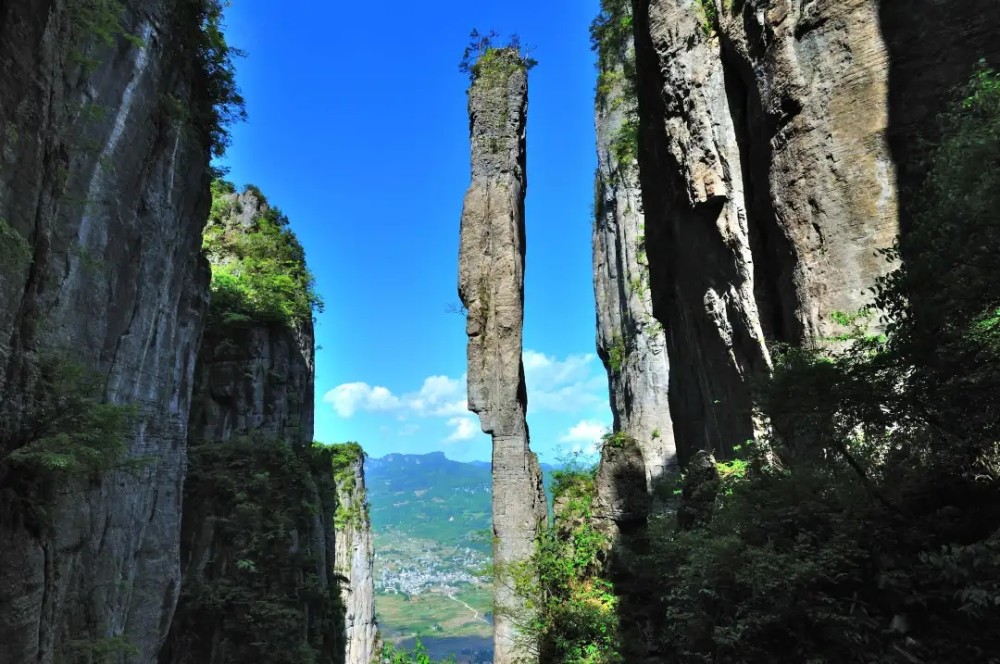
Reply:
x=866, y=528
x=71, y=433
x=259, y=272
x=346, y=459
x=574, y=609
x=216, y=82
x=76, y=432
x=260, y=595
x=611, y=39
x=483, y=59
x=393, y=655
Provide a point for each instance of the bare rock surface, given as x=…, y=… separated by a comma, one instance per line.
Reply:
x=630, y=341
x=107, y=189
x=355, y=561
x=491, y=286
x=775, y=139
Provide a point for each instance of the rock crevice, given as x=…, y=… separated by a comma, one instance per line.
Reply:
x=630, y=341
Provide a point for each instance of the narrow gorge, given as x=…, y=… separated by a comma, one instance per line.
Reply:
x=796, y=327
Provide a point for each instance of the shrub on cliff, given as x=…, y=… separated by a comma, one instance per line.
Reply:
x=872, y=531
x=262, y=596
x=393, y=655
x=259, y=271
x=483, y=58
x=573, y=608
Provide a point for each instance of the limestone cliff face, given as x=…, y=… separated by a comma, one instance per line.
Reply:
x=103, y=194
x=630, y=341
x=355, y=561
x=257, y=545
x=772, y=140
x=491, y=286
x=253, y=376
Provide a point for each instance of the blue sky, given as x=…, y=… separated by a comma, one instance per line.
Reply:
x=358, y=131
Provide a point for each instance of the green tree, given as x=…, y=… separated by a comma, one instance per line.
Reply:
x=868, y=529
x=259, y=271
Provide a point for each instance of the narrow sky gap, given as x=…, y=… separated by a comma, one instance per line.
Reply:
x=361, y=138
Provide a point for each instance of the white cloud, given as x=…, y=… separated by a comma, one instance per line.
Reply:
x=350, y=398
x=439, y=396
x=543, y=372
x=463, y=428
x=568, y=385
x=586, y=431
x=587, y=435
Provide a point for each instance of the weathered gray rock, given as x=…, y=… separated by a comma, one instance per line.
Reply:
x=355, y=561
x=491, y=286
x=630, y=341
x=774, y=140
x=698, y=238
x=107, y=189
x=252, y=424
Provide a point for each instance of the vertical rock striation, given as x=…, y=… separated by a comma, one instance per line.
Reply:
x=630, y=341
x=355, y=557
x=103, y=194
x=779, y=146
x=491, y=286
x=257, y=545
x=698, y=238
x=774, y=141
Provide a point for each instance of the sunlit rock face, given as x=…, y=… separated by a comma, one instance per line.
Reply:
x=105, y=187
x=630, y=341
x=491, y=286
x=776, y=141
x=355, y=561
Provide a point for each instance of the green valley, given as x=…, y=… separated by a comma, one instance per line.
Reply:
x=431, y=521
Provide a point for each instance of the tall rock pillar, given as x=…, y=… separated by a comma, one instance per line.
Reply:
x=491, y=286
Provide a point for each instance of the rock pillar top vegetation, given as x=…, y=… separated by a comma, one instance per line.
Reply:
x=491, y=286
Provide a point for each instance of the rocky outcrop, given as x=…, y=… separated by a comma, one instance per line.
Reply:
x=103, y=194
x=698, y=492
x=630, y=341
x=256, y=369
x=355, y=556
x=491, y=286
x=257, y=545
x=772, y=136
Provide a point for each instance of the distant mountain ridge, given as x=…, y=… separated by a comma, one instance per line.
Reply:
x=431, y=496
x=428, y=496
